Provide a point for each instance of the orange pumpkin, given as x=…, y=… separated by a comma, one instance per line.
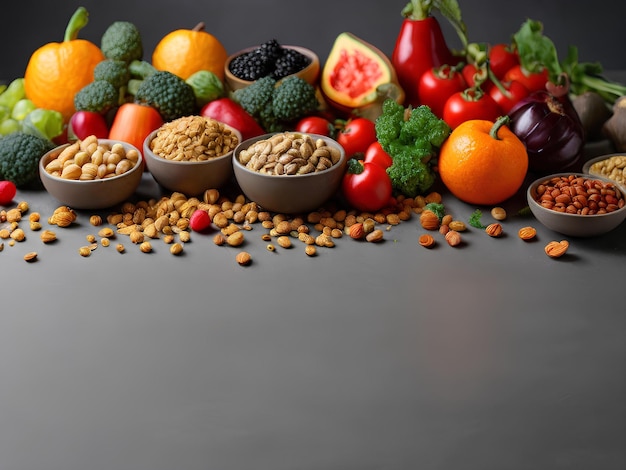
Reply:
x=186, y=51
x=58, y=70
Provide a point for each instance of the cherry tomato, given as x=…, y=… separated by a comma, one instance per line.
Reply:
x=513, y=92
x=436, y=85
x=472, y=103
x=357, y=135
x=366, y=186
x=502, y=57
x=475, y=76
x=315, y=125
x=533, y=81
x=8, y=190
x=376, y=154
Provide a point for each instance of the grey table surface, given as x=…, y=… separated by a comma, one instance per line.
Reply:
x=389, y=356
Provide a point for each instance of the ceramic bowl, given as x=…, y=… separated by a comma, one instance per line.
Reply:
x=310, y=73
x=289, y=194
x=91, y=194
x=575, y=225
x=189, y=177
x=619, y=168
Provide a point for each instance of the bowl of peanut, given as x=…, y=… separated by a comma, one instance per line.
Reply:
x=612, y=166
x=577, y=204
x=191, y=154
x=289, y=172
x=92, y=173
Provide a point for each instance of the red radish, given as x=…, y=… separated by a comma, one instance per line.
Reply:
x=7, y=192
x=200, y=221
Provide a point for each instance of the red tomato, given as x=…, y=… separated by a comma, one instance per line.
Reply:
x=470, y=104
x=474, y=76
x=532, y=81
x=315, y=125
x=436, y=85
x=515, y=91
x=376, y=154
x=502, y=57
x=357, y=135
x=366, y=186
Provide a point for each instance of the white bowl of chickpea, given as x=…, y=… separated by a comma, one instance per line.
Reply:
x=577, y=204
x=92, y=173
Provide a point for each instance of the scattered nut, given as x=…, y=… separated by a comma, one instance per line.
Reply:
x=30, y=256
x=356, y=231
x=243, y=258
x=498, y=213
x=453, y=238
x=494, y=230
x=375, y=236
x=310, y=250
x=426, y=240
x=556, y=249
x=48, y=236
x=429, y=220
x=145, y=247
x=176, y=248
x=84, y=251
x=527, y=233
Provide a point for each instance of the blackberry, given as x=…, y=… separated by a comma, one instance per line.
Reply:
x=256, y=63
x=290, y=62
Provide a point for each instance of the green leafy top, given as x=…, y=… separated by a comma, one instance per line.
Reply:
x=537, y=51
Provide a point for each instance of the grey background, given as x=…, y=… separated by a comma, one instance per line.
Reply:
x=595, y=28
x=490, y=356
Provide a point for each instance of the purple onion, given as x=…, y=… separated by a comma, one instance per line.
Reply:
x=552, y=132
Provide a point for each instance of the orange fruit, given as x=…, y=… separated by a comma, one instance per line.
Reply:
x=58, y=70
x=483, y=162
x=186, y=51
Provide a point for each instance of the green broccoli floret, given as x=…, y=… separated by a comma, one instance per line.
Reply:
x=412, y=137
x=294, y=98
x=277, y=104
x=437, y=208
x=98, y=96
x=168, y=93
x=113, y=71
x=122, y=41
x=256, y=100
x=19, y=157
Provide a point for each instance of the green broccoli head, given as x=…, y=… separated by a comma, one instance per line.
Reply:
x=122, y=41
x=167, y=93
x=256, y=100
x=412, y=137
x=19, y=157
x=294, y=98
x=98, y=96
x=115, y=72
x=275, y=104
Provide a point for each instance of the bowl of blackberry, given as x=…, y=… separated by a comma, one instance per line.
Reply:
x=270, y=59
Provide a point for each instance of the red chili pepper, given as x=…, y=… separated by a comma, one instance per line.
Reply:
x=229, y=112
x=85, y=123
x=420, y=46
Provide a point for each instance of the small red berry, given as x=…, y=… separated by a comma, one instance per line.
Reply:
x=7, y=192
x=200, y=221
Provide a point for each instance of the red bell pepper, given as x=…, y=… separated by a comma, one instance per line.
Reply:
x=421, y=46
x=229, y=112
